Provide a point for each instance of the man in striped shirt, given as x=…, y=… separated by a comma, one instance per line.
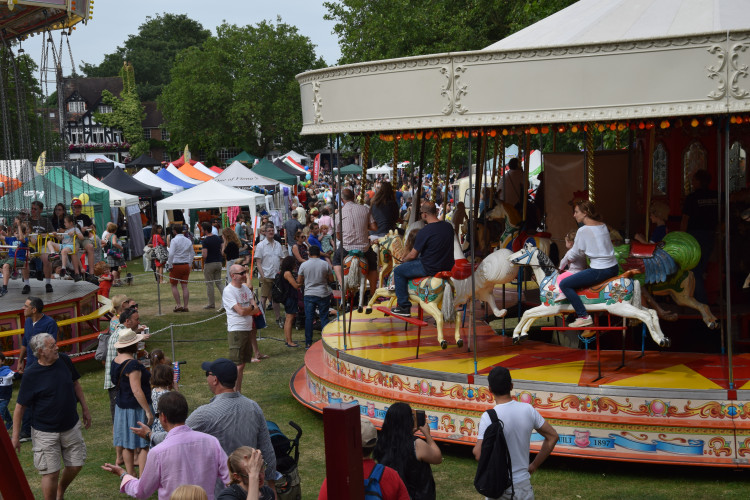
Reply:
x=354, y=233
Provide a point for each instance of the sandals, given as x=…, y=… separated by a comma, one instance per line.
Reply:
x=291, y=345
x=179, y=309
x=263, y=356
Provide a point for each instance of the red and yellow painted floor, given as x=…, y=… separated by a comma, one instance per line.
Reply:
x=660, y=407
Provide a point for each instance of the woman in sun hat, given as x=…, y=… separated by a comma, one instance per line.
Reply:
x=133, y=399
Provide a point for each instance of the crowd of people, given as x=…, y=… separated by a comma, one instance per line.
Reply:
x=223, y=447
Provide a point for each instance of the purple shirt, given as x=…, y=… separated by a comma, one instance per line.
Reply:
x=184, y=457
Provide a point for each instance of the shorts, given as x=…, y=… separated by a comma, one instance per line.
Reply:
x=521, y=490
x=180, y=273
x=265, y=287
x=85, y=241
x=49, y=447
x=13, y=263
x=372, y=259
x=67, y=246
x=240, y=350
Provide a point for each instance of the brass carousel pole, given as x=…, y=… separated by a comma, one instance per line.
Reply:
x=394, y=176
x=448, y=173
x=436, y=170
x=590, y=162
x=365, y=159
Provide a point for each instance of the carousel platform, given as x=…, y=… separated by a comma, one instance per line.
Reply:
x=659, y=406
x=74, y=305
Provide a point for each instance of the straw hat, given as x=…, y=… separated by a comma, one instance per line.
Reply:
x=128, y=337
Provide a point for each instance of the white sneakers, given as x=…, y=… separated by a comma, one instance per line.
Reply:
x=580, y=322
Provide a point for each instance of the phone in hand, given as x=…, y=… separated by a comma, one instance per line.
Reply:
x=419, y=417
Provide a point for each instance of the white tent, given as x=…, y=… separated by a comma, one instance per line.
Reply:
x=23, y=170
x=205, y=170
x=176, y=172
x=210, y=194
x=150, y=178
x=239, y=176
x=383, y=169
x=296, y=157
x=116, y=198
x=96, y=157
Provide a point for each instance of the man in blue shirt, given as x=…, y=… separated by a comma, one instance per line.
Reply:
x=36, y=322
x=313, y=239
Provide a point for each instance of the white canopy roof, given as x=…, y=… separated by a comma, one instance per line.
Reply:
x=601, y=21
x=116, y=198
x=147, y=177
x=383, y=169
x=210, y=194
x=97, y=157
x=176, y=172
x=204, y=169
x=296, y=156
x=238, y=175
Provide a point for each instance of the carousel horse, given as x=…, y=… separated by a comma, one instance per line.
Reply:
x=513, y=237
x=495, y=269
x=620, y=296
x=665, y=270
x=355, y=273
x=434, y=294
x=390, y=247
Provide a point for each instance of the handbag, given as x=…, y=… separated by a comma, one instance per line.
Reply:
x=101, y=349
x=161, y=253
x=259, y=320
x=112, y=251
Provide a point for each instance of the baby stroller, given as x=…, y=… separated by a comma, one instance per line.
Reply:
x=287, y=456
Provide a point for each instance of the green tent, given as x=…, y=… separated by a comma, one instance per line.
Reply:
x=41, y=189
x=77, y=187
x=268, y=169
x=244, y=157
x=352, y=169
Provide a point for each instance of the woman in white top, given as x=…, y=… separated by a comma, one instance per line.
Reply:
x=592, y=241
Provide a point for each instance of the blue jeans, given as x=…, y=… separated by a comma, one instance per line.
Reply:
x=322, y=304
x=5, y=414
x=401, y=276
x=583, y=279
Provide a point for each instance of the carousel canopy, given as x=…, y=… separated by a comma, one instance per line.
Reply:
x=19, y=18
x=666, y=59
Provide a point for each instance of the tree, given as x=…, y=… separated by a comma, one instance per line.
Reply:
x=152, y=52
x=370, y=30
x=238, y=89
x=127, y=113
x=25, y=133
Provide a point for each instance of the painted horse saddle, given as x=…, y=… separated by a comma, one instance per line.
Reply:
x=361, y=261
x=427, y=288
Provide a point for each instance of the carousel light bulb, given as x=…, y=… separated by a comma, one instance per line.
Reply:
x=545, y=129
x=601, y=128
x=641, y=125
x=664, y=124
x=574, y=129
x=493, y=132
x=561, y=129
x=505, y=131
x=709, y=122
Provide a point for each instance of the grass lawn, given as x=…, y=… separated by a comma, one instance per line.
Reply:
x=267, y=382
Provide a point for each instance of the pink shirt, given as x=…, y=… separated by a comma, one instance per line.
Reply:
x=184, y=457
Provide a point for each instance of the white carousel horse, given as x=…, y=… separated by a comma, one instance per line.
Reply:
x=620, y=296
x=355, y=274
x=495, y=269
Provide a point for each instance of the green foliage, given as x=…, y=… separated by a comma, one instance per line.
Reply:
x=127, y=115
x=238, y=90
x=152, y=52
x=373, y=30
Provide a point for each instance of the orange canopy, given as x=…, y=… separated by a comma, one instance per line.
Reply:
x=194, y=173
x=181, y=161
x=8, y=185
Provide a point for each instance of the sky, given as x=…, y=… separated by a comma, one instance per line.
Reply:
x=113, y=21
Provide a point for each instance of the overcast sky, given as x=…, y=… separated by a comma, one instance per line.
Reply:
x=114, y=20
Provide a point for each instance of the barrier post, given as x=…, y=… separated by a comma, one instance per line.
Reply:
x=171, y=338
x=343, y=448
x=158, y=294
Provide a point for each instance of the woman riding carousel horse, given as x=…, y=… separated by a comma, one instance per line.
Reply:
x=593, y=241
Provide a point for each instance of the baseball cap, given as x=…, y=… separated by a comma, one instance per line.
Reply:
x=76, y=203
x=223, y=369
x=369, y=433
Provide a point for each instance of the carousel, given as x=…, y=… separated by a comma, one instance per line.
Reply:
x=77, y=307
x=649, y=94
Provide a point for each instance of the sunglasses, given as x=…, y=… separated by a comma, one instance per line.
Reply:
x=208, y=374
x=241, y=273
x=133, y=306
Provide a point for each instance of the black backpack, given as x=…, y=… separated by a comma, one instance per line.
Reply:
x=278, y=289
x=494, y=472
